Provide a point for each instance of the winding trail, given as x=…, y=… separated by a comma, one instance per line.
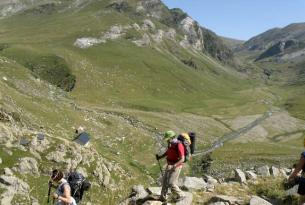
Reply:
x=235, y=134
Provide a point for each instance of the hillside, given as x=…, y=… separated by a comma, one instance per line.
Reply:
x=127, y=71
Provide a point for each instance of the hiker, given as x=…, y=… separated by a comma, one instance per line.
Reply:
x=175, y=158
x=294, y=177
x=63, y=190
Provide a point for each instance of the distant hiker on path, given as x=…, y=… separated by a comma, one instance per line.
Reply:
x=300, y=180
x=62, y=195
x=175, y=156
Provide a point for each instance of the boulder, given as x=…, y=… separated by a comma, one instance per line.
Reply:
x=8, y=172
x=27, y=165
x=56, y=156
x=210, y=180
x=194, y=183
x=154, y=190
x=274, y=171
x=250, y=175
x=145, y=41
x=139, y=192
x=229, y=199
x=0, y=161
x=263, y=171
x=187, y=200
x=14, y=183
x=240, y=176
x=292, y=191
x=255, y=200
x=148, y=24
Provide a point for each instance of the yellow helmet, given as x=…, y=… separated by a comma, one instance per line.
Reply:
x=186, y=137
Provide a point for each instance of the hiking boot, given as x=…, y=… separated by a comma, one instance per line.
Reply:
x=162, y=199
x=179, y=198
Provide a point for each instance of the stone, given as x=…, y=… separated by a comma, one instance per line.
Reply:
x=255, y=200
x=263, y=171
x=139, y=192
x=292, y=191
x=210, y=180
x=250, y=175
x=154, y=190
x=187, y=200
x=220, y=203
x=0, y=161
x=8, y=172
x=240, y=176
x=194, y=183
x=148, y=24
x=87, y=42
x=274, y=171
x=229, y=199
x=56, y=156
x=13, y=182
x=153, y=203
x=27, y=165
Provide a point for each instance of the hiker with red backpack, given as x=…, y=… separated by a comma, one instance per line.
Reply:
x=175, y=156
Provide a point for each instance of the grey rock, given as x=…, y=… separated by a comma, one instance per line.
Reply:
x=8, y=172
x=240, y=176
x=154, y=190
x=274, y=171
x=27, y=165
x=153, y=203
x=263, y=171
x=13, y=182
x=148, y=24
x=229, y=199
x=210, y=180
x=250, y=175
x=194, y=183
x=292, y=191
x=139, y=191
x=56, y=156
x=255, y=200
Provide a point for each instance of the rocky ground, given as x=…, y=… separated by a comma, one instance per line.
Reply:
x=210, y=191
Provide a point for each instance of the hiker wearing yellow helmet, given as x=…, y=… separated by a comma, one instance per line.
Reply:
x=300, y=180
x=175, y=158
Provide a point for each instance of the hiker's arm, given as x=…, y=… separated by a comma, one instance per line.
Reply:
x=298, y=168
x=161, y=156
x=66, y=198
x=180, y=162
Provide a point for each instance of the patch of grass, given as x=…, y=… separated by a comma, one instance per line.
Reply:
x=272, y=188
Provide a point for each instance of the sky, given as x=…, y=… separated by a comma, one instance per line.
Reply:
x=242, y=19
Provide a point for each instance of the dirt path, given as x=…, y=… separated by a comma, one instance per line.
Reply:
x=235, y=134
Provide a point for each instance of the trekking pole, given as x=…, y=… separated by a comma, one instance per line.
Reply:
x=159, y=165
x=49, y=191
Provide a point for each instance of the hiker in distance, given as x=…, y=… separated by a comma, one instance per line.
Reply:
x=294, y=177
x=62, y=195
x=175, y=156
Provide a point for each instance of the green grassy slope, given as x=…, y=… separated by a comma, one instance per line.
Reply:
x=121, y=91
